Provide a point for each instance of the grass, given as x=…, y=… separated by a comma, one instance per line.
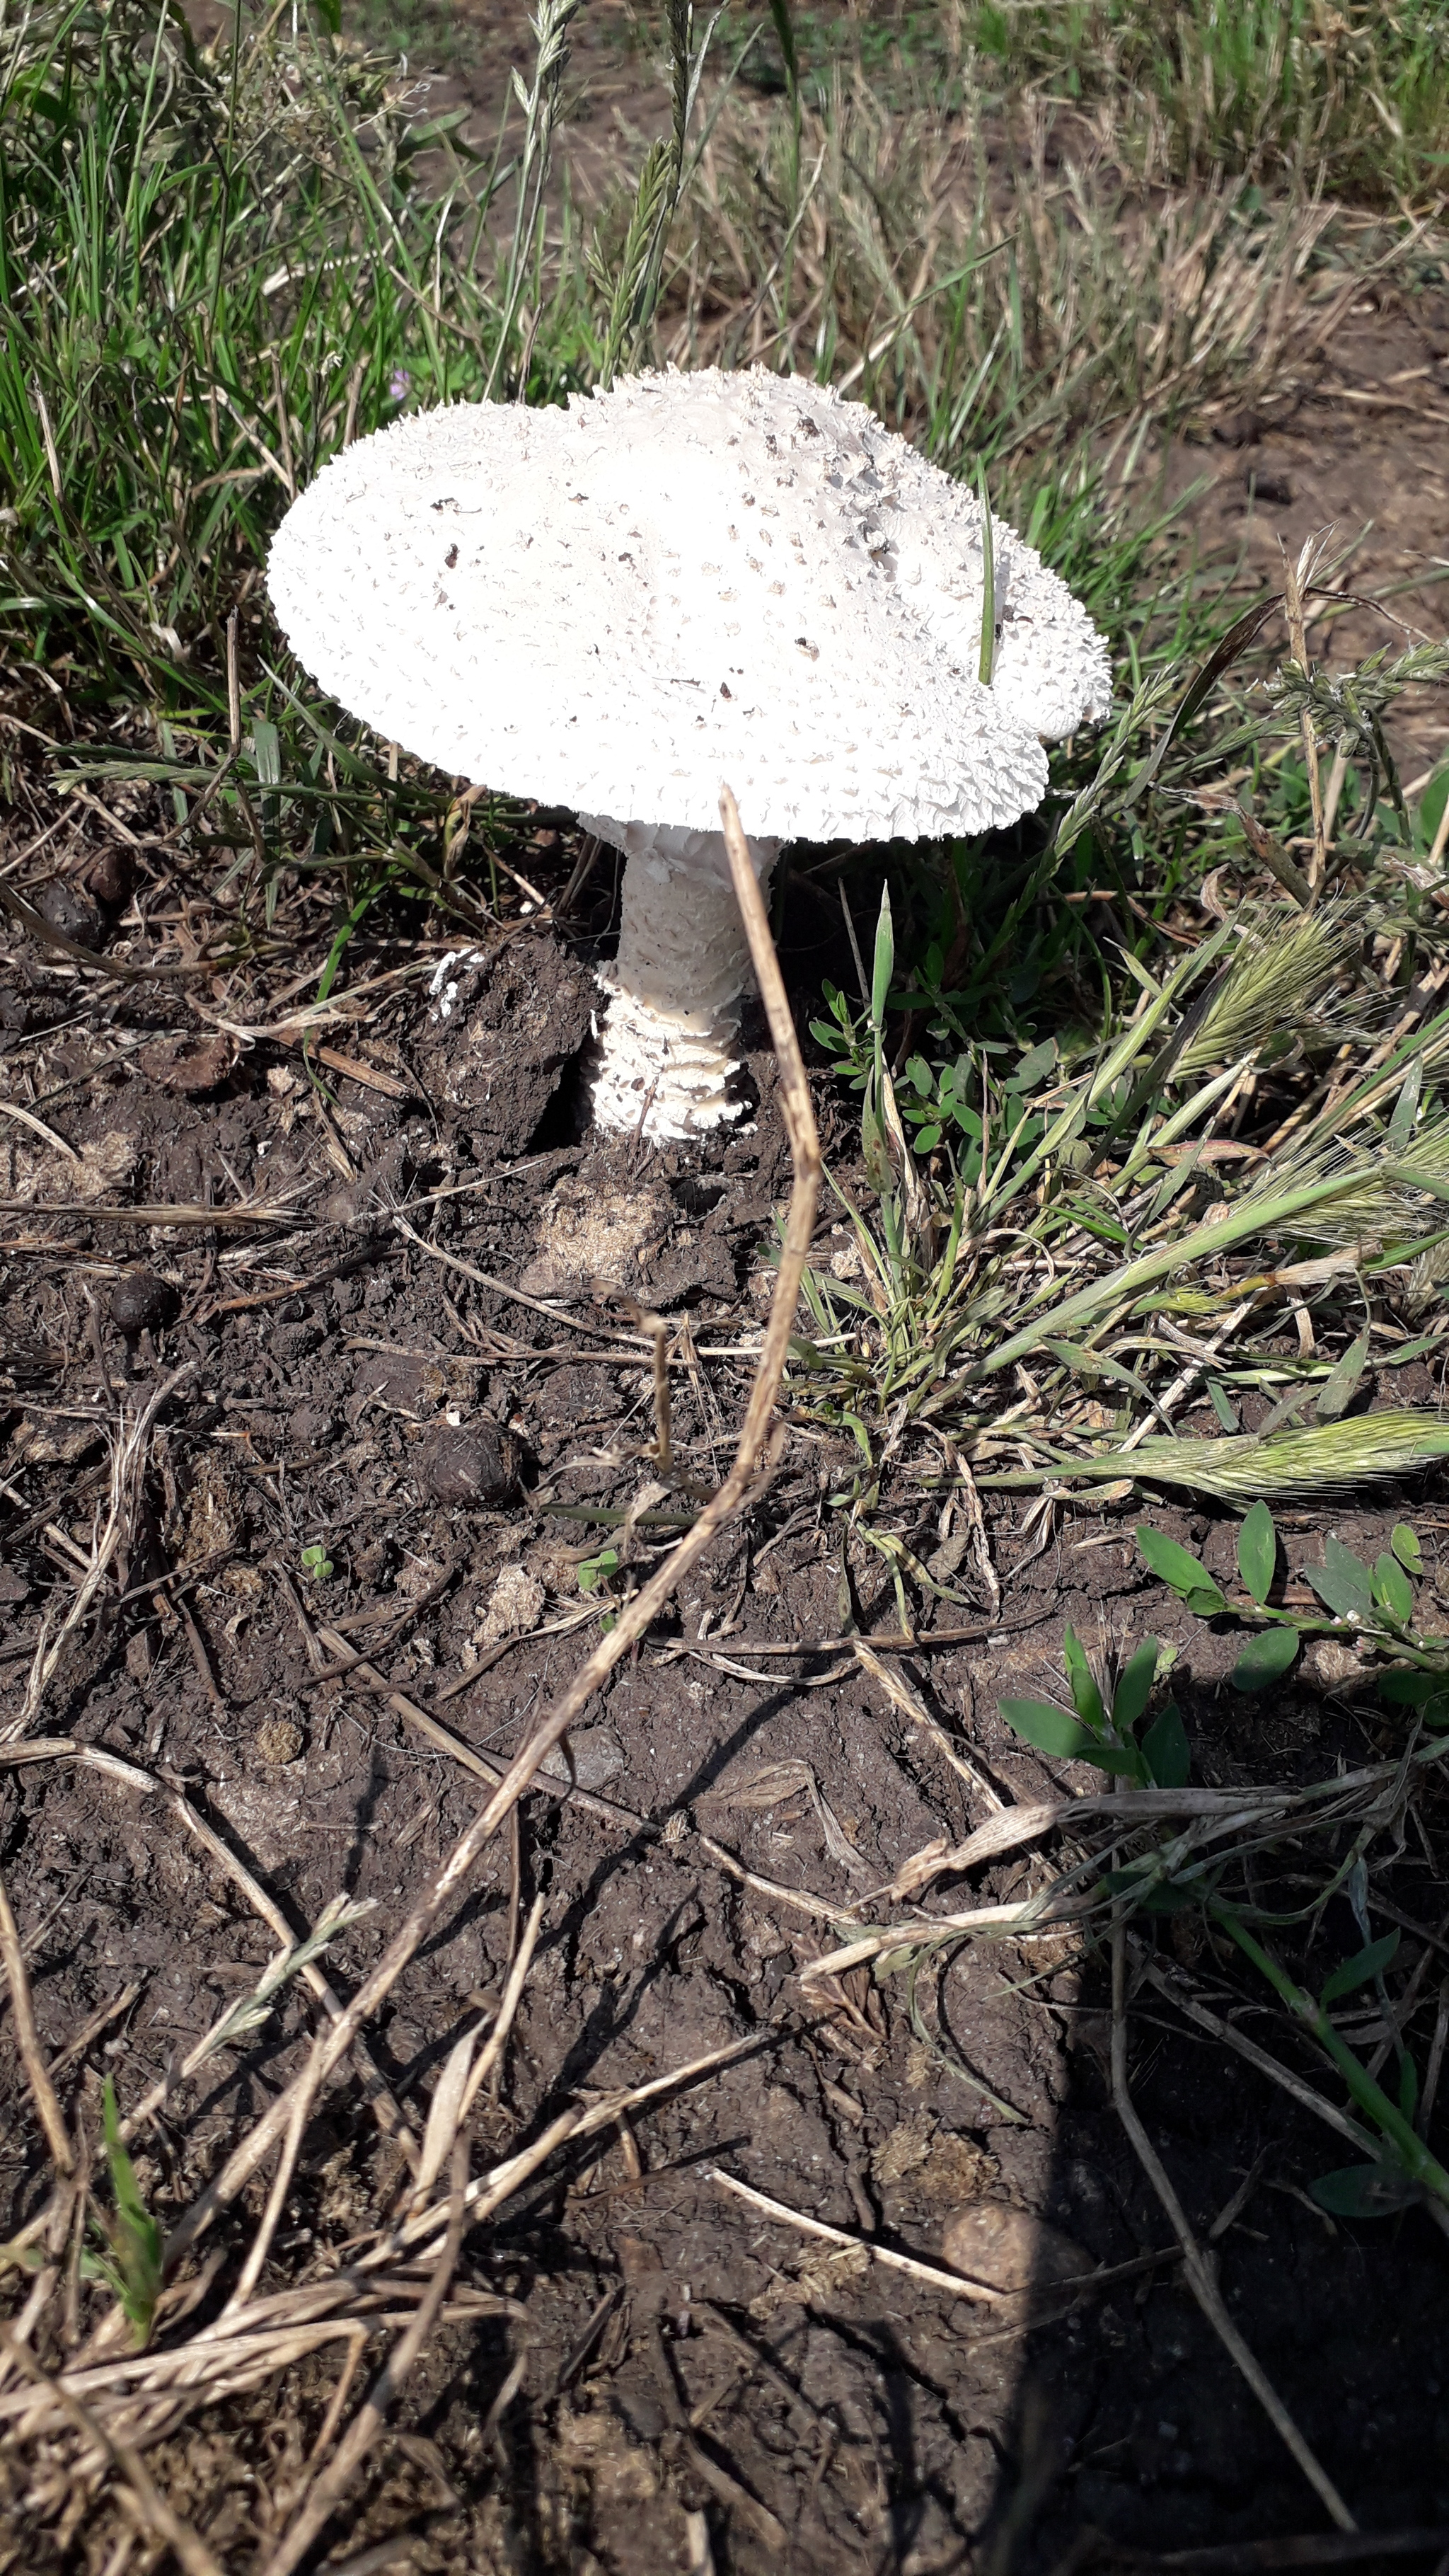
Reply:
x=1353, y=98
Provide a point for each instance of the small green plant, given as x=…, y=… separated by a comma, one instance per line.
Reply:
x=598, y=1569
x=130, y=2264
x=1403, y=2170
x=595, y=1572
x=316, y=1564
x=1370, y=1607
x=1160, y=1759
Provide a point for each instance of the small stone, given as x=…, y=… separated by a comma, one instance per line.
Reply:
x=278, y=1741
x=471, y=1466
x=141, y=1302
x=1008, y=2249
x=597, y=1757
x=70, y=912
x=513, y=1605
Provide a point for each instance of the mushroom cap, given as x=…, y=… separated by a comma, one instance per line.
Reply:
x=684, y=579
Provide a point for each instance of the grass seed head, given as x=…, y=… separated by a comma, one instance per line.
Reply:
x=1275, y=986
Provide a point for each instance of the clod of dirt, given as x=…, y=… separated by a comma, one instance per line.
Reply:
x=141, y=1302
x=513, y=1604
x=69, y=911
x=586, y=1235
x=191, y=1065
x=591, y=1757
x=112, y=876
x=1336, y=1664
x=50, y=1443
x=497, y=1036
x=278, y=1741
x=945, y=2168
x=471, y=1466
x=1009, y=2249
x=211, y=1516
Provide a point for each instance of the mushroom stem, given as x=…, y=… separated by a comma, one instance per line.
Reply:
x=668, y=1034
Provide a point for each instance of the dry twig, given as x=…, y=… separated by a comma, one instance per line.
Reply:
x=52, y=2119
x=1200, y=2277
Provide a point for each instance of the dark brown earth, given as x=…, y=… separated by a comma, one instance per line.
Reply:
x=681, y=2353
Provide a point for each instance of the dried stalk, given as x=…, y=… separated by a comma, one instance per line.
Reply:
x=1295, y=577
x=1200, y=2278
x=164, y=2525
x=958, y=2285
x=127, y=1459
x=52, y=2119
x=317, y=2508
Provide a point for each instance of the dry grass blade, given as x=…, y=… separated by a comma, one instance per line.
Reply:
x=957, y=2284
x=128, y=1453
x=52, y=2119
x=387, y=2110
x=165, y=2526
x=49, y=937
x=38, y=1127
x=905, y=1698
x=461, y=2081
x=184, y=1212
x=1173, y=1992
x=788, y=1779
x=497, y=2039
x=1204, y=2287
x=488, y=2192
x=1038, y=1917
x=317, y=2508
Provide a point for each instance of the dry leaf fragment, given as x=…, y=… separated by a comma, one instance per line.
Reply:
x=781, y=1780
x=821, y=2276
x=514, y=1603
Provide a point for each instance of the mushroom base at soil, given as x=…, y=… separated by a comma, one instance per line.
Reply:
x=667, y=1039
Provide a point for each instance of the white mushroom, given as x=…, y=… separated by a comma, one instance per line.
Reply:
x=687, y=579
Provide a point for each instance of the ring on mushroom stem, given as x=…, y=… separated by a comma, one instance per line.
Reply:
x=686, y=578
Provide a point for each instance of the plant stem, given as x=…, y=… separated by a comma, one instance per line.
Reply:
x=1409, y=2148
